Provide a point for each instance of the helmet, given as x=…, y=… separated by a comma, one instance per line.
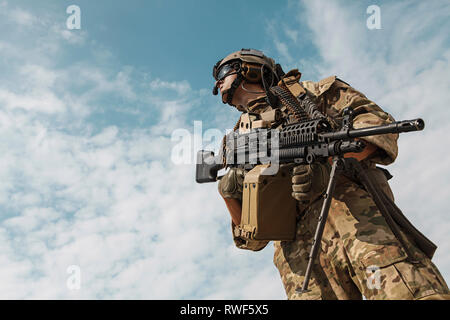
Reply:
x=250, y=65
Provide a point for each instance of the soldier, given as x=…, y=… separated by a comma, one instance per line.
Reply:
x=360, y=253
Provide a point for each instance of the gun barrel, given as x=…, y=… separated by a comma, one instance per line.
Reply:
x=395, y=127
x=297, y=143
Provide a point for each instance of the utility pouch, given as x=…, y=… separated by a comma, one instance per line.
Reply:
x=268, y=209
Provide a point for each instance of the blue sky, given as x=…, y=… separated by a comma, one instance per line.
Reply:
x=170, y=39
x=87, y=119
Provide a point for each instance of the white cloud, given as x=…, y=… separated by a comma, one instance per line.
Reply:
x=104, y=197
x=281, y=47
x=92, y=204
x=72, y=37
x=181, y=87
x=45, y=102
x=291, y=34
x=22, y=17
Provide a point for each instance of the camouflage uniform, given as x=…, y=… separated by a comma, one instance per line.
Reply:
x=359, y=253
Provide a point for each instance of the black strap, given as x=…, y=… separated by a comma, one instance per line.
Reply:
x=234, y=86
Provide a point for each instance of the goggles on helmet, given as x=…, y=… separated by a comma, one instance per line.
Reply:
x=225, y=71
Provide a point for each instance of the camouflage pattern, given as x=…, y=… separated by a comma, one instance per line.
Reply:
x=333, y=96
x=359, y=253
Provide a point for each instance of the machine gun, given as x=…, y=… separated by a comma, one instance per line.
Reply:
x=306, y=142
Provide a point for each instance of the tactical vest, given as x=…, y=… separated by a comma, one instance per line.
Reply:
x=264, y=220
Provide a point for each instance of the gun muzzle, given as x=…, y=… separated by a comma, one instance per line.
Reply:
x=412, y=125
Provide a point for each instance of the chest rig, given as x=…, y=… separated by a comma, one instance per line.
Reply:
x=269, y=211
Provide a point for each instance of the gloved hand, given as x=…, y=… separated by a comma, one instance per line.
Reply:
x=230, y=185
x=309, y=181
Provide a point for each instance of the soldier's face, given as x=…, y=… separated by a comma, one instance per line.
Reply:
x=224, y=85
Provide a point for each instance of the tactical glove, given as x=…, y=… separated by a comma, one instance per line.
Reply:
x=230, y=185
x=309, y=181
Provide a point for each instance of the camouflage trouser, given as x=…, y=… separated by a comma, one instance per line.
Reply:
x=359, y=255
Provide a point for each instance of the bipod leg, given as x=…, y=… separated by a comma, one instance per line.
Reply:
x=335, y=169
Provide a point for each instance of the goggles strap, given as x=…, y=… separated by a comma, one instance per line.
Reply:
x=233, y=87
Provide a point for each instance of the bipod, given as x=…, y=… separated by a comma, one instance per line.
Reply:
x=337, y=168
x=353, y=168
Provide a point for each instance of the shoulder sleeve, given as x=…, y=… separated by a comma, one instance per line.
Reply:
x=318, y=88
x=339, y=95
